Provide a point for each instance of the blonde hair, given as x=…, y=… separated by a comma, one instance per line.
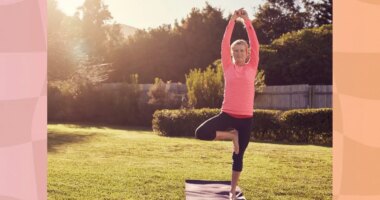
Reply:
x=242, y=42
x=239, y=42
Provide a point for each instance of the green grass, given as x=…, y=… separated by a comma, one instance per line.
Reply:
x=87, y=162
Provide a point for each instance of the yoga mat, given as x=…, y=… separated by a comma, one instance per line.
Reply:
x=209, y=190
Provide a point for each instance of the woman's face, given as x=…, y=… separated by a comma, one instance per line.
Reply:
x=239, y=53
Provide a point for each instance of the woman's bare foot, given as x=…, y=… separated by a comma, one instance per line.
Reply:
x=232, y=196
x=235, y=140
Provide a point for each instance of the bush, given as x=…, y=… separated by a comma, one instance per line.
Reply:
x=205, y=88
x=158, y=95
x=305, y=125
x=265, y=125
x=117, y=106
x=59, y=102
x=159, y=98
x=73, y=101
x=180, y=122
x=312, y=126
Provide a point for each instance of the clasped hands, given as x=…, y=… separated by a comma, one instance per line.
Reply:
x=240, y=13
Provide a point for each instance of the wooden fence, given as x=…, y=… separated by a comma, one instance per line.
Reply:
x=272, y=97
x=294, y=97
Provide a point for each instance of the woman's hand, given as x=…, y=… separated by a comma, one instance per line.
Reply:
x=243, y=14
x=235, y=15
x=240, y=13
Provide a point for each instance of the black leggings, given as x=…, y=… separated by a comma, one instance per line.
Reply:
x=222, y=122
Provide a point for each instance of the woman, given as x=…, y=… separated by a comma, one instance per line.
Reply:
x=237, y=107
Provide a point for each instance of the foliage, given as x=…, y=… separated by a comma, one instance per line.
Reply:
x=205, y=88
x=313, y=126
x=300, y=57
x=159, y=94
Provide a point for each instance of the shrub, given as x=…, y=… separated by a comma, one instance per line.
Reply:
x=205, y=88
x=265, y=125
x=312, y=126
x=181, y=122
x=158, y=95
x=59, y=102
x=76, y=101
x=305, y=125
x=116, y=106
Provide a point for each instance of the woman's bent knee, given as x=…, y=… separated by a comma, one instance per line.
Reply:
x=203, y=134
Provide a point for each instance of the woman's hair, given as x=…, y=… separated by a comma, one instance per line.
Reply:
x=239, y=42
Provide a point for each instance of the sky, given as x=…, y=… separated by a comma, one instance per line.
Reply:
x=153, y=13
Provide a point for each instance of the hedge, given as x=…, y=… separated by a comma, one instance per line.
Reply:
x=312, y=126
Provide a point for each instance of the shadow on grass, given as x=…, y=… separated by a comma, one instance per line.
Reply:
x=103, y=126
x=261, y=141
x=55, y=140
x=289, y=143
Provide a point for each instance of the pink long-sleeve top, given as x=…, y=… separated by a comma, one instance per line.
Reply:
x=239, y=81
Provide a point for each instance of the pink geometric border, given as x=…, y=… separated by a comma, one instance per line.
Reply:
x=23, y=99
x=356, y=100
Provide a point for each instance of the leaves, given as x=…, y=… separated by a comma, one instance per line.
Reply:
x=300, y=57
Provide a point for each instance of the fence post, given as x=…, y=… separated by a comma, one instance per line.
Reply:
x=291, y=98
x=311, y=96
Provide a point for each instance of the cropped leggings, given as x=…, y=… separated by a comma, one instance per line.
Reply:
x=222, y=122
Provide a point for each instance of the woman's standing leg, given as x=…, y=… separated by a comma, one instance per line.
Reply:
x=243, y=126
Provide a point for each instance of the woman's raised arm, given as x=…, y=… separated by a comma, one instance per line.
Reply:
x=225, y=48
x=253, y=41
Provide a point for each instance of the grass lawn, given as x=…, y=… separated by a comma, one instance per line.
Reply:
x=87, y=162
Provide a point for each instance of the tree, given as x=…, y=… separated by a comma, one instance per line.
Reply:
x=276, y=17
x=169, y=52
x=150, y=53
x=321, y=11
x=61, y=61
x=300, y=57
x=99, y=36
x=202, y=32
